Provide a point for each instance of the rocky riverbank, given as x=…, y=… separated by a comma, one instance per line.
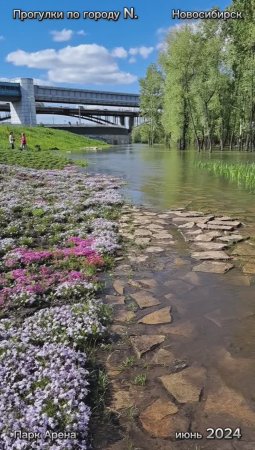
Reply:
x=172, y=355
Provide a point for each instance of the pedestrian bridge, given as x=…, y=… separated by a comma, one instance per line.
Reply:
x=24, y=95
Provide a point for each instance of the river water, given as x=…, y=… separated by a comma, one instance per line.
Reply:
x=164, y=178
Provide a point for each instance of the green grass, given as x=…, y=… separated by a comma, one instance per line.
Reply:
x=36, y=160
x=47, y=138
x=241, y=173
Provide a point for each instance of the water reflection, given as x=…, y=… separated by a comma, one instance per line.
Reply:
x=165, y=178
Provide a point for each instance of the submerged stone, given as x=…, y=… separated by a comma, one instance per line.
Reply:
x=216, y=255
x=213, y=267
x=162, y=358
x=186, y=386
x=119, y=286
x=144, y=343
x=144, y=299
x=157, y=317
x=160, y=419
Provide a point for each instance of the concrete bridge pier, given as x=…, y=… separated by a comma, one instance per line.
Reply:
x=23, y=112
x=131, y=123
x=122, y=121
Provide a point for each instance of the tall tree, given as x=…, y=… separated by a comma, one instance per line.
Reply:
x=151, y=94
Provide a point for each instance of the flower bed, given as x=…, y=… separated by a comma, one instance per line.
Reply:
x=56, y=235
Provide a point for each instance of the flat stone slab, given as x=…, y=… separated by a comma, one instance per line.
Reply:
x=149, y=213
x=142, y=233
x=124, y=316
x=186, y=386
x=121, y=400
x=154, y=250
x=145, y=299
x=230, y=223
x=189, y=213
x=213, y=267
x=244, y=249
x=210, y=226
x=162, y=357
x=215, y=255
x=233, y=238
x=115, y=299
x=187, y=225
x=142, y=241
x=160, y=419
x=148, y=283
x=144, y=343
x=138, y=259
x=163, y=216
x=119, y=286
x=157, y=317
x=181, y=220
x=163, y=235
x=207, y=237
x=227, y=401
x=249, y=268
x=155, y=227
x=210, y=245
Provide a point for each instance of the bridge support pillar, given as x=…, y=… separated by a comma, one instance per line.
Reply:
x=131, y=123
x=122, y=121
x=23, y=112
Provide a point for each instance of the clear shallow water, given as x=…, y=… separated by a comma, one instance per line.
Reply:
x=164, y=178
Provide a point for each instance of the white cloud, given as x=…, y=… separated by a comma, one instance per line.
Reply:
x=119, y=52
x=17, y=80
x=141, y=51
x=62, y=35
x=91, y=63
x=132, y=60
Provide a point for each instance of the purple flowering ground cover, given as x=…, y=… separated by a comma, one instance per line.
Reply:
x=57, y=234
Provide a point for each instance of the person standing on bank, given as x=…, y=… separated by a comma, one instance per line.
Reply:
x=11, y=140
x=23, y=142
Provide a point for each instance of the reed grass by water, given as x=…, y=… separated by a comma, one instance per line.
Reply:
x=241, y=173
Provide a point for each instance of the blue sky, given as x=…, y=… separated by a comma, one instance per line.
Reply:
x=84, y=53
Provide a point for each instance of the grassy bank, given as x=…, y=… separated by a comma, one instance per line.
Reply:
x=47, y=139
x=241, y=173
x=37, y=160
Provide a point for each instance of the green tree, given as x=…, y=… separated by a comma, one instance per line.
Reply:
x=151, y=92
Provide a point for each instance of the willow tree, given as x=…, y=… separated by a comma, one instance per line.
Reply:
x=151, y=95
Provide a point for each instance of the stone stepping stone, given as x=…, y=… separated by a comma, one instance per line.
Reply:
x=155, y=227
x=188, y=225
x=161, y=421
x=225, y=218
x=138, y=259
x=128, y=236
x=142, y=241
x=144, y=343
x=189, y=213
x=249, y=268
x=149, y=213
x=214, y=255
x=163, y=358
x=213, y=267
x=154, y=250
x=233, y=238
x=143, y=233
x=157, y=317
x=124, y=316
x=193, y=233
x=144, y=299
x=115, y=299
x=232, y=223
x=185, y=386
x=210, y=245
x=211, y=226
x=163, y=216
x=121, y=400
x=148, y=283
x=181, y=220
x=207, y=237
x=119, y=286
x=163, y=235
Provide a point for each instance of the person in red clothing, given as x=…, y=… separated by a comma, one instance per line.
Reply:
x=23, y=142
